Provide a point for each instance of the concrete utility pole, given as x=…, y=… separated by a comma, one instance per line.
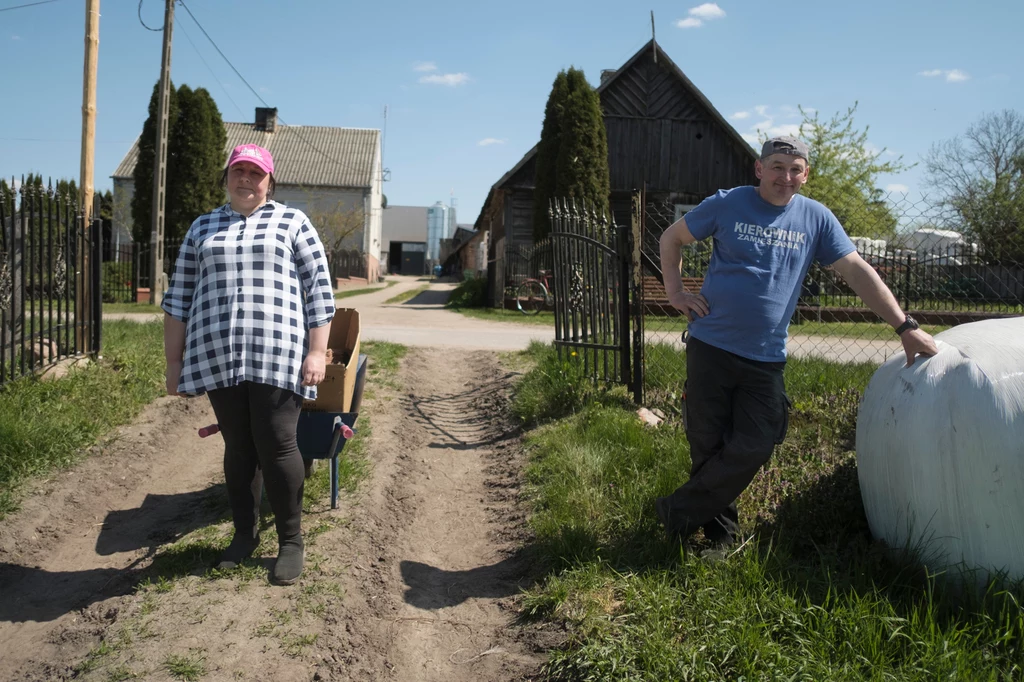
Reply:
x=156, y=267
x=86, y=183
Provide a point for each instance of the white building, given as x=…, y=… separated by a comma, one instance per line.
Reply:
x=316, y=169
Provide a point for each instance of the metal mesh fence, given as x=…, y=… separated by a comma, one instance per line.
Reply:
x=938, y=276
x=523, y=262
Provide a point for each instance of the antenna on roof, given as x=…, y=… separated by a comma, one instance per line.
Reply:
x=654, y=41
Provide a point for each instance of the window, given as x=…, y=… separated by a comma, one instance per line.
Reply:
x=681, y=210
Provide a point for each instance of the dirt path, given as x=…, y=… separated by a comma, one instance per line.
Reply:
x=414, y=577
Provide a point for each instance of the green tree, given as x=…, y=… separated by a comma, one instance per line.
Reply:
x=581, y=169
x=340, y=227
x=845, y=174
x=195, y=159
x=980, y=177
x=547, y=155
x=572, y=156
x=142, y=177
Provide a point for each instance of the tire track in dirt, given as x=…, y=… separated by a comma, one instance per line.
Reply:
x=441, y=562
x=86, y=535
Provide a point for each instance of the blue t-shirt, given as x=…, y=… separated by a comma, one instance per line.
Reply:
x=760, y=257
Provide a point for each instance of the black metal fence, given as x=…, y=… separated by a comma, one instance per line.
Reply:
x=50, y=286
x=590, y=285
x=126, y=276
x=348, y=263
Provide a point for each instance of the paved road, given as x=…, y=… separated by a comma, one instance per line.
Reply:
x=424, y=321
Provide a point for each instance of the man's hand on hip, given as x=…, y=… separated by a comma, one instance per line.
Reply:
x=692, y=305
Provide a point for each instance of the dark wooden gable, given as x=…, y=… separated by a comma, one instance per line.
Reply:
x=665, y=135
x=644, y=89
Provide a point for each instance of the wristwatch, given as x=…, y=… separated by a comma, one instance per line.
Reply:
x=908, y=324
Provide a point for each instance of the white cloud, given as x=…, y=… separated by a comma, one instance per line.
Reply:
x=752, y=138
x=740, y=115
x=952, y=75
x=761, y=109
x=424, y=66
x=896, y=187
x=700, y=14
x=487, y=141
x=709, y=10
x=265, y=89
x=791, y=129
x=450, y=79
x=766, y=123
x=15, y=37
x=689, y=22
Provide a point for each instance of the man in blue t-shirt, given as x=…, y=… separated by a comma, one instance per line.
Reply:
x=765, y=239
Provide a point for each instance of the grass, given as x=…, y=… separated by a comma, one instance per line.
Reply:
x=45, y=425
x=407, y=295
x=131, y=308
x=810, y=596
x=188, y=668
x=347, y=293
x=544, y=318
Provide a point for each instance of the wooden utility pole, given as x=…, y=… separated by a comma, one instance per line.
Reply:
x=83, y=292
x=156, y=267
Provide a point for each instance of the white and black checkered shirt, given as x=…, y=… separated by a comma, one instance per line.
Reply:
x=248, y=290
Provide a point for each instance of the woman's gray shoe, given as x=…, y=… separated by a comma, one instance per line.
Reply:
x=240, y=549
x=288, y=567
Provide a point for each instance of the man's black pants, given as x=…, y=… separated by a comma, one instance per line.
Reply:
x=258, y=423
x=736, y=412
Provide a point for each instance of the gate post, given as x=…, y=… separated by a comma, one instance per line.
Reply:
x=635, y=275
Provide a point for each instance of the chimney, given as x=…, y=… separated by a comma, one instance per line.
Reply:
x=606, y=74
x=266, y=119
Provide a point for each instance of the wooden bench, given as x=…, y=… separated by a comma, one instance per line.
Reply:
x=656, y=299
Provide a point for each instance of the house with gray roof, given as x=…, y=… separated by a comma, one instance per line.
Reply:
x=323, y=171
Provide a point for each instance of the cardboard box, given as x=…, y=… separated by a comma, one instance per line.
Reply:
x=334, y=394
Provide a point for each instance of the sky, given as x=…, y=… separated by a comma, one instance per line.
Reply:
x=464, y=83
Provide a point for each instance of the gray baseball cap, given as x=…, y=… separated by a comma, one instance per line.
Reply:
x=786, y=145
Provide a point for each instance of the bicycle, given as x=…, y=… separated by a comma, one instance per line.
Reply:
x=534, y=294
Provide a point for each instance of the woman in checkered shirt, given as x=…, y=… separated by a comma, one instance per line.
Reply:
x=248, y=314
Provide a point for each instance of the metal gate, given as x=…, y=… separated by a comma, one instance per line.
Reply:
x=591, y=288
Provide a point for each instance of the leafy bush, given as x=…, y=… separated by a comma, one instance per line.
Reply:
x=117, y=282
x=472, y=293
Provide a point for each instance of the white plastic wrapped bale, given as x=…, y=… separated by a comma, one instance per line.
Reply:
x=940, y=450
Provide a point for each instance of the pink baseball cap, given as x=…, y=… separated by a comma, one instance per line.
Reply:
x=254, y=154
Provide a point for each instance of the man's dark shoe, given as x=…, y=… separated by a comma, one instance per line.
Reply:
x=240, y=549
x=288, y=567
x=662, y=505
x=720, y=549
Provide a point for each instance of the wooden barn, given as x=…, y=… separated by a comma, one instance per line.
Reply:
x=663, y=135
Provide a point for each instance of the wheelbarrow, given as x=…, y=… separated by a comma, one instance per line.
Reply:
x=322, y=435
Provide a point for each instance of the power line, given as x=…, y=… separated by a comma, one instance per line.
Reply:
x=223, y=56
x=292, y=129
x=31, y=4
x=203, y=60
x=155, y=30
